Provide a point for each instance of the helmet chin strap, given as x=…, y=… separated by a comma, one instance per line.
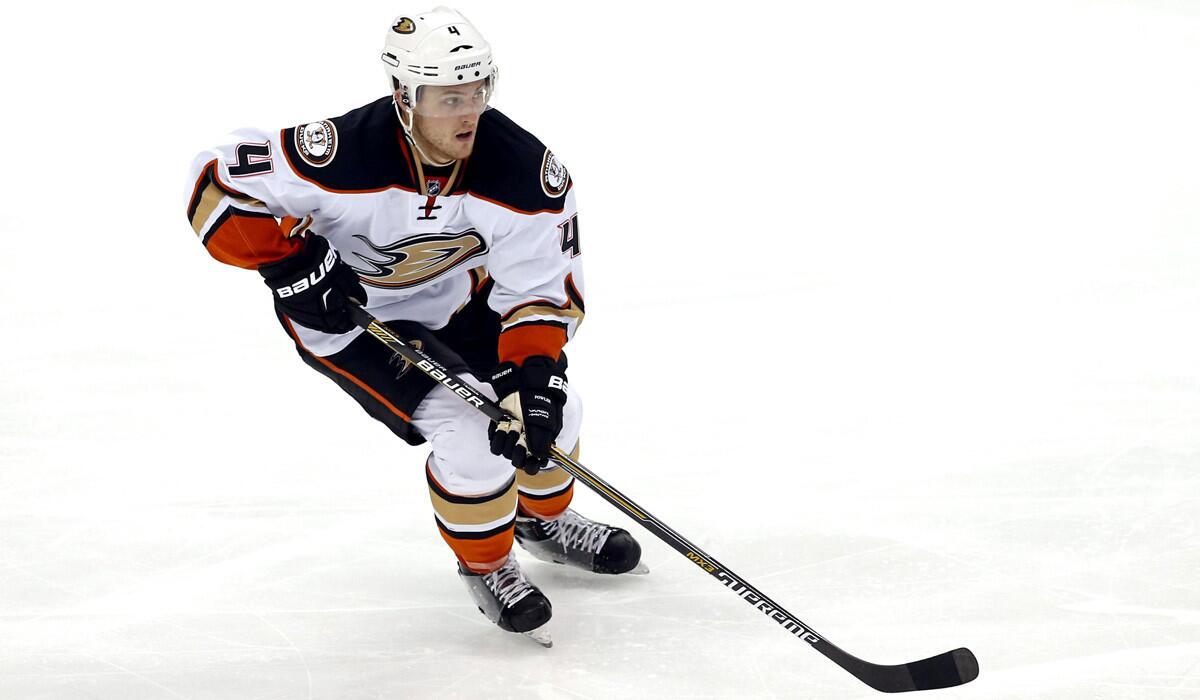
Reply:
x=408, y=131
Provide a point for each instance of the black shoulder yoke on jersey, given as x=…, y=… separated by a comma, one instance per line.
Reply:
x=358, y=151
x=364, y=150
x=511, y=167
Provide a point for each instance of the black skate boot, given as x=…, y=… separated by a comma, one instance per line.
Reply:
x=584, y=544
x=508, y=599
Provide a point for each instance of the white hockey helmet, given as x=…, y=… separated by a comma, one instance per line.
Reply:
x=437, y=47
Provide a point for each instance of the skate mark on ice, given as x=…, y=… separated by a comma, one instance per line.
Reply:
x=283, y=635
x=135, y=674
x=1187, y=674
x=676, y=622
x=222, y=640
x=824, y=561
x=1111, y=606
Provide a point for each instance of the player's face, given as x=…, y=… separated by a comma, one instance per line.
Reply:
x=446, y=118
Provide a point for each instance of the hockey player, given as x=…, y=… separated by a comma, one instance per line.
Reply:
x=459, y=230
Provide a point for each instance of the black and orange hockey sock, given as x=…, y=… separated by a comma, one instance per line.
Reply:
x=478, y=528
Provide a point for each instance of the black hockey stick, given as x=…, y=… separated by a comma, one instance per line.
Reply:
x=942, y=671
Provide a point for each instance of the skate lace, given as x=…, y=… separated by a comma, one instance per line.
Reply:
x=573, y=530
x=509, y=583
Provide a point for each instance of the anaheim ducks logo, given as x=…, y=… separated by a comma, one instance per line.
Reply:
x=414, y=261
x=554, y=175
x=317, y=142
x=404, y=25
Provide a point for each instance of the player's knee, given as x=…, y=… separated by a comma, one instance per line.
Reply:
x=572, y=421
x=463, y=462
x=462, y=459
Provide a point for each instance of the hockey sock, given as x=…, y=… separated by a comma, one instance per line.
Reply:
x=479, y=528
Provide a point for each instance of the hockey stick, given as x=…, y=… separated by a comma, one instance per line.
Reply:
x=942, y=671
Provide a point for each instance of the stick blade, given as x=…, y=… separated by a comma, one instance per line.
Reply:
x=944, y=670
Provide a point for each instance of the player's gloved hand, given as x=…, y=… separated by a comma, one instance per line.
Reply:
x=534, y=393
x=314, y=287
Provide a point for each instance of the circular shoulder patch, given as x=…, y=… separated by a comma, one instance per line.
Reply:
x=317, y=142
x=554, y=176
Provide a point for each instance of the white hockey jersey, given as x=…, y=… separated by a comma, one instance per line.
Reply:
x=421, y=239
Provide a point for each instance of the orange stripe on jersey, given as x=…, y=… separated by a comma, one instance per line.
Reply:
x=358, y=382
x=573, y=306
x=537, y=305
x=248, y=239
x=524, y=341
x=509, y=207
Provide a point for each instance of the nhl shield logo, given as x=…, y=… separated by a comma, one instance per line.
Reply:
x=317, y=142
x=404, y=25
x=433, y=187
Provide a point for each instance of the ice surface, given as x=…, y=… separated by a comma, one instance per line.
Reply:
x=892, y=309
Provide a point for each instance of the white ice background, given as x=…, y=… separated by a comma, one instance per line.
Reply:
x=893, y=307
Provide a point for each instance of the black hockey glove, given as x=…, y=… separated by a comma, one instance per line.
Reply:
x=314, y=287
x=534, y=393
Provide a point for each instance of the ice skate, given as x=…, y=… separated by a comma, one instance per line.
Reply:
x=510, y=600
x=574, y=540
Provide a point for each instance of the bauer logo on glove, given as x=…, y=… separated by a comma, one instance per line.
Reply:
x=534, y=394
x=314, y=287
x=313, y=278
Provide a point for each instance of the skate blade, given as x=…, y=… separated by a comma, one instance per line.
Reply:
x=639, y=570
x=540, y=635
